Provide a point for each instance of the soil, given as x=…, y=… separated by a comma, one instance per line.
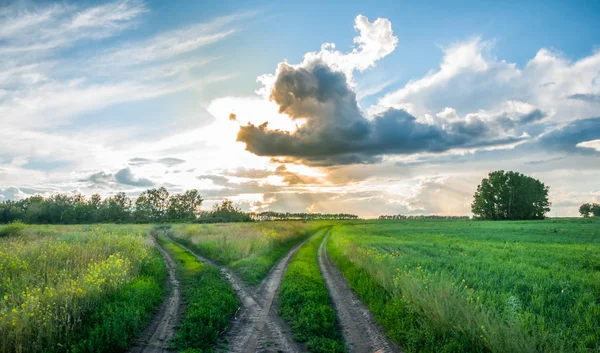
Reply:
x=362, y=333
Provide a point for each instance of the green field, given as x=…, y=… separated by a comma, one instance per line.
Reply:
x=434, y=285
x=459, y=286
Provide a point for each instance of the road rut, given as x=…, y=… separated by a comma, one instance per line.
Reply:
x=256, y=326
x=361, y=332
x=156, y=337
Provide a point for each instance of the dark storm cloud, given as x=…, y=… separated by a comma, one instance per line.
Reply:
x=336, y=132
x=586, y=97
x=126, y=177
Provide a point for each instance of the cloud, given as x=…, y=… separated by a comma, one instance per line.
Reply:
x=594, y=144
x=168, y=161
x=470, y=78
x=12, y=194
x=569, y=138
x=126, y=177
x=335, y=131
x=123, y=176
x=99, y=178
x=44, y=28
x=586, y=97
x=449, y=196
x=170, y=44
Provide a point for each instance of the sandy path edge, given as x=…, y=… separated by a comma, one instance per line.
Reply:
x=362, y=333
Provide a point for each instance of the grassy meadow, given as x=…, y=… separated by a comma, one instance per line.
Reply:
x=475, y=286
x=249, y=249
x=76, y=288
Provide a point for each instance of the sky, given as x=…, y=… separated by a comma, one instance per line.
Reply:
x=359, y=107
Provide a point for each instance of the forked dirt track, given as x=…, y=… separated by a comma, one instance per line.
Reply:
x=156, y=337
x=361, y=332
x=256, y=326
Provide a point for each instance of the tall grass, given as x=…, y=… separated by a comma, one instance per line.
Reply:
x=478, y=286
x=250, y=249
x=63, y=289
x=304, y=301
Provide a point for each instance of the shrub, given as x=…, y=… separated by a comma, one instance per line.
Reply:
x=12, y=229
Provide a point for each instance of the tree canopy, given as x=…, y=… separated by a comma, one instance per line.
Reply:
x=588, y=209
x=510, y=196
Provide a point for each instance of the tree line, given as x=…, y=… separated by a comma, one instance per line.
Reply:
x=151, y=206
x=420, y=217
x=281, y=216
x=589, y=209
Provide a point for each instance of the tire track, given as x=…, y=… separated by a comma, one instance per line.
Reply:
x=361, y=332
x=156, y=337
x=256, y=327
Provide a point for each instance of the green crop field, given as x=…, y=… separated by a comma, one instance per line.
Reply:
x=469, y=286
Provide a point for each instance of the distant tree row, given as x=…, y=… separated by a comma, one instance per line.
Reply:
x=280, y=216
x=420, y=217
x=510, y=195
x=590, y=209
x=151, y=206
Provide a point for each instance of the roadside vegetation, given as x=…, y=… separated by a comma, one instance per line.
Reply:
x=76, y=289
x=249, y=249
x=460, y=286
x=209, y=301
x=304, y=301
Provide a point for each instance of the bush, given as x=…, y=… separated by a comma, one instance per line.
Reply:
x=12, y=229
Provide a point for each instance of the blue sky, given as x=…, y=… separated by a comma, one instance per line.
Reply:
x=459, y=90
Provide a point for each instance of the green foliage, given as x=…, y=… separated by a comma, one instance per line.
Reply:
x=76, y=289
x=249, y=249
x=12, y=229
x=224, y=213
x=512, y=196
x=460, y=286
x=304, y=302
x=588, y=209
x=210, y=302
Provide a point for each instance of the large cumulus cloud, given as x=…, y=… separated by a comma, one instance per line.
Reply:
x=334, y=130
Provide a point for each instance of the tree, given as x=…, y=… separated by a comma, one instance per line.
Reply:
x=585, y=209
x=596, y=209
x=184, y=207
x=510, y=195
x=117, y=208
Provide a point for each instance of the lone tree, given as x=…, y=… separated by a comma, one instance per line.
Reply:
x=510, y=195
x=590, y=208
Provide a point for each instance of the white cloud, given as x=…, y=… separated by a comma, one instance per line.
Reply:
x=595, y=144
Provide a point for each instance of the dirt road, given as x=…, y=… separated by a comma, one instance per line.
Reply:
x=156, y=337
x=256, y=327
x=361, y=332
